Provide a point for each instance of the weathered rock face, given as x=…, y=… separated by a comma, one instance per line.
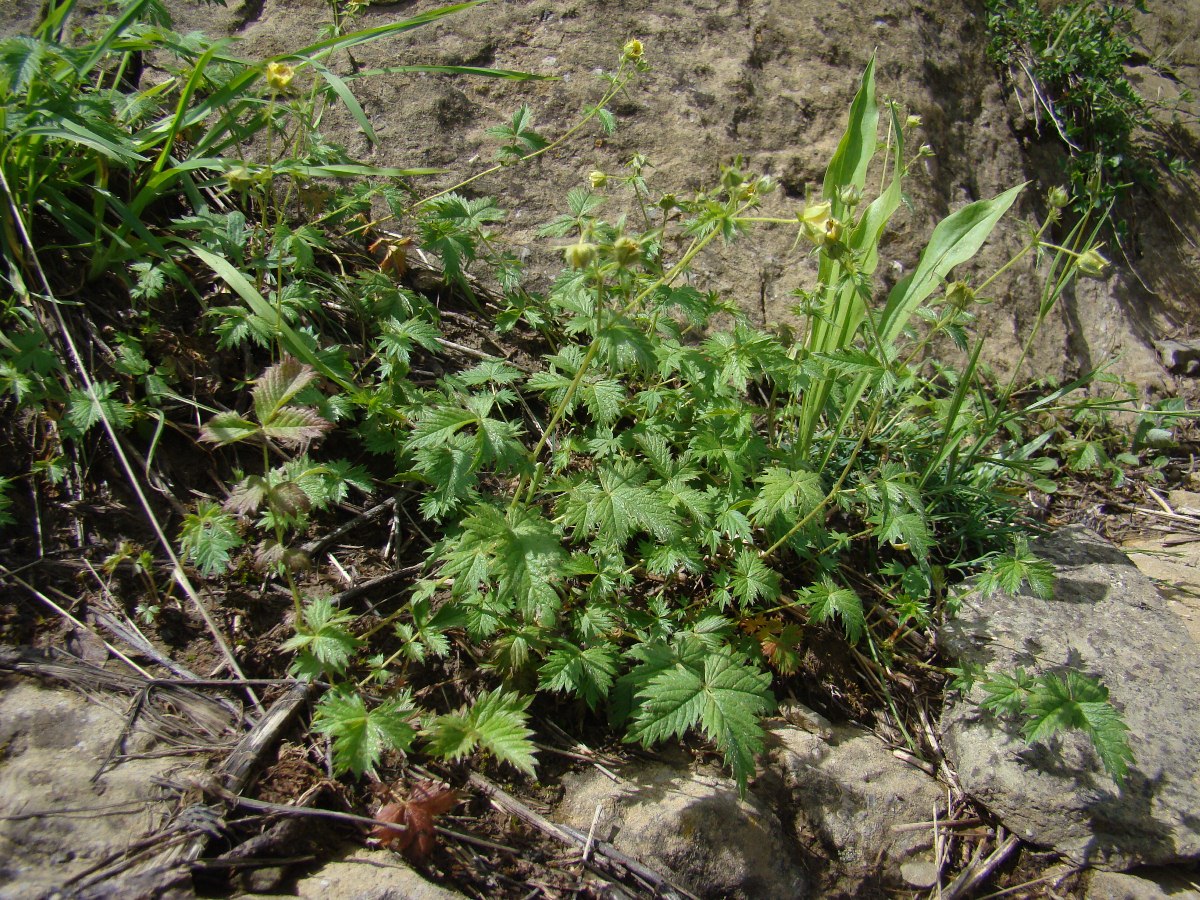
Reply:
x=692, y=826
x=850, y=793
x=1106, y=618
x=770, y=80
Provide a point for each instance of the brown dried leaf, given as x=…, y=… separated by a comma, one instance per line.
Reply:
x=425, y=802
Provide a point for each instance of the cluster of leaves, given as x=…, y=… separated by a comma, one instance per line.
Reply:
x=1053, y=702
x=650, y=523
x=1075, y=56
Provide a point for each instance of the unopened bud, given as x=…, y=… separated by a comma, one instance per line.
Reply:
x=598, y=180
x=1057, y=197
x=813, y=221
x=912, y=122
x=580, y=255
x=1092, y=265
x=960, y=295
x=626, y=251
x=850, y=195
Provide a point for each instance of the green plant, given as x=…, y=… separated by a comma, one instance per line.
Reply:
x=1072, y=58
x=1050, y=703
x=689, y=506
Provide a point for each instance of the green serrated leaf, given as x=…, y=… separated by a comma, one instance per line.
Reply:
x=362, y=736
x=495, y=723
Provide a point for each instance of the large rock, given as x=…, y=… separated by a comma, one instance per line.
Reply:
x=850, y=793
x=690, y=826
x=1106, y=619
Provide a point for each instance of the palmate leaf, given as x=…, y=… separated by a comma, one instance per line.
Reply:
x=1007, y=573
x=723, y=694
x=786, y=491
x=1079, y=702
x=323, y=634
x=361, y=736
x=617, y=504
x=86, y=408
x=826, y=601
x=751, y=580
x=207, y=536
x=495, y=723
x=586, y=672
x=517, y=552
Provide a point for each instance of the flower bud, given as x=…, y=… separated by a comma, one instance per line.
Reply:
x=960, y=295
x=580, y=255
x=239, y=179
x=833, y=231
x=1057, y=197
x=626, y=251
x=1092, y=265
x=912, y=122
x=850, y=195
x=598, y=180
x=633, y=50
x=279, y=76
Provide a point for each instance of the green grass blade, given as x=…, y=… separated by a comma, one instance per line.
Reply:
x=366, y=35
x=104, y=46
x=289, y=339
x=339, y=87
x=479, y=71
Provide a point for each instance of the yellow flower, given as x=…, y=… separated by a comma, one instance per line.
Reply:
x=279, y=76
x=814, y=220
x=598, y=180
x=633, y=50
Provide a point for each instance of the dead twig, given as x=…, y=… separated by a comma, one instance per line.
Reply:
x=977, y=871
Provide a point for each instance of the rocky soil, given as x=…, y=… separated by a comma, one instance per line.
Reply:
x=834, y=811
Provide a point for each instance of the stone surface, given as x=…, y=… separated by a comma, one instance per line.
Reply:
x=850, y=791
x=1180, y=357
x=54, y=822
x=1157, y=886
x=690, y=827
x=1106, y=619
x=361, y=874
x=1172, y=562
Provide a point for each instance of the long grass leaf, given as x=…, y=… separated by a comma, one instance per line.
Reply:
x=339, y=87
x=480, y=71
x=289, y=338
x=104, y=46
x=366, y=35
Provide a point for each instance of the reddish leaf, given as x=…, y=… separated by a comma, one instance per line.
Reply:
x=416, y=815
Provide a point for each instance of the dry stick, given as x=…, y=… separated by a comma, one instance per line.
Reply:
x=977, y=873
x=605, y=854
x=312, y=548
x=74, y=621
x=178, y=573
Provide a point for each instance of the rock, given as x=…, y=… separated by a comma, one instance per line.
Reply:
x=361, y=874
x=1180, y=357
x=1118, y=886
x=1172, y=562
x=921, y=874
x=53, y=742
x=1106, y=619
x=691, y=828
x=850, y=792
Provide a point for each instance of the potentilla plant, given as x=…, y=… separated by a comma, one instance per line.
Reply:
x=652, y=522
